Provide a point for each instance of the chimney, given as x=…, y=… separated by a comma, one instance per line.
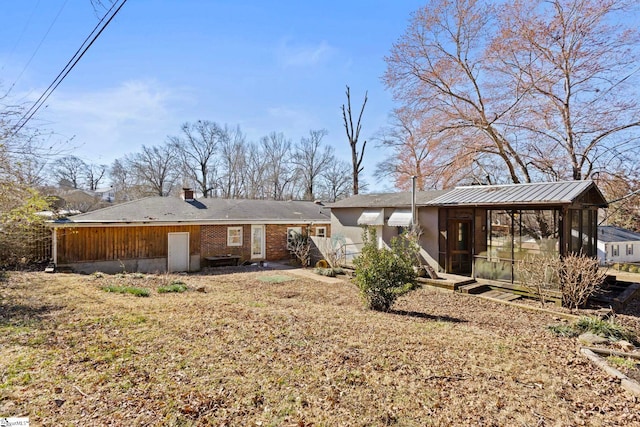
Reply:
x=187, y=194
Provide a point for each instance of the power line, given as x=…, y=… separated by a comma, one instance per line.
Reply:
x=44, y=37
x=86, y=44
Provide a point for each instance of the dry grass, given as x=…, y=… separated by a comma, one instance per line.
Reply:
x=286, y=352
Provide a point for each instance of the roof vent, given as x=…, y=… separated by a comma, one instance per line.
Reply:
x=187, y=194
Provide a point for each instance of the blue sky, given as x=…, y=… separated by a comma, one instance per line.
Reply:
x=264, y=65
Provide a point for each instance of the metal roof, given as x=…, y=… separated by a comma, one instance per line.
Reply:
x=387, y=200
x=610, y=233
x=543, y=193
x=174, y=209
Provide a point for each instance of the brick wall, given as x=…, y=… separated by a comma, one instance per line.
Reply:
x=213, y=240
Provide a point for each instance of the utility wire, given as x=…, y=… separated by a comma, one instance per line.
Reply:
x=91, y=38
x=44, y=37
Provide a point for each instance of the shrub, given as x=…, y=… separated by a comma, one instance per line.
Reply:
x=329, y=272
x=634, y=269
x=383, y=275
x=539, y=274
x=300, y=246
x=579, y=279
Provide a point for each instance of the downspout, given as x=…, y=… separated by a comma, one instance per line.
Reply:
x=54, y=245
x=414, y=219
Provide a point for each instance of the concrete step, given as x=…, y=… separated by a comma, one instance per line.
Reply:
x=499, y=295
x=473, y=288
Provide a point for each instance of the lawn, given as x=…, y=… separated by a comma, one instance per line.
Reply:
x=247, y=349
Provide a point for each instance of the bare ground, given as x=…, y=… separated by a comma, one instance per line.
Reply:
x=254, y=350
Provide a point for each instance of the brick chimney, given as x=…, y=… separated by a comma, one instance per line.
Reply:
x=187, y=194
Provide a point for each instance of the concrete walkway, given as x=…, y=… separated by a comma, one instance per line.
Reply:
x=307, y=273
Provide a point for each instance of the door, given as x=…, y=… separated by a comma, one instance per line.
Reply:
x=178, y=252
x=257, y=241
x=459, y=247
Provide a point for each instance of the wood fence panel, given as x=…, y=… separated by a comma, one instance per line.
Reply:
x=83, y=244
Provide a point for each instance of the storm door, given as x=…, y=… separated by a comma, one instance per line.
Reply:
x=459, y=247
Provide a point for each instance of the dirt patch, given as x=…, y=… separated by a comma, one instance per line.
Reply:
x=300, y=353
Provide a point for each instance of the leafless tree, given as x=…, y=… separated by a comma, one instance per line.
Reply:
x=528, y=91
x=353, y=134
x=255, y=173
x=279, y=171
x=311, y=159
x=335, y=182
x=197, y=147
x=94, y=175
x=232, y=159
x=156, y=168
x=70, y=171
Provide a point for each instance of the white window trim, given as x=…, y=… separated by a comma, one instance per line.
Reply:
x=229, y=230
x=321, y=234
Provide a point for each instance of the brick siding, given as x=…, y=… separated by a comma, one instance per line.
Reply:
x=213, y=240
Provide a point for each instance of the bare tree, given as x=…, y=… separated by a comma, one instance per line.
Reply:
x=156, y=168
x=94, y=175
x=255, y=173
x=197, y=147
x=232, y=159
x=416, y=150
x=535, y=90
x=279, y=172
x=335, y=182
x=70, y=171
x=311, y=159
x=353, y=134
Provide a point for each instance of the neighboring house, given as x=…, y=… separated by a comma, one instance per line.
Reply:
x=106, y=194
x=173, y=234
x=478, y=231
x=617, y=245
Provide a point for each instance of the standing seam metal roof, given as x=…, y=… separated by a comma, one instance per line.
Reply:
x=544, y=193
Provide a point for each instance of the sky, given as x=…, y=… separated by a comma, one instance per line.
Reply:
x=266, y=66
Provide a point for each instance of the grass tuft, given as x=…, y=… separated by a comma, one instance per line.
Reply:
x=173, y=287
x=276, y=278
x=604, y=328
x=139, y=292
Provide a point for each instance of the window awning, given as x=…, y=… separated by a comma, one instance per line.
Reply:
x=400, y=218
x=371, y=217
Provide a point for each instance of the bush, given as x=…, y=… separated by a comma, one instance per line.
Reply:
x=634, y=269
x=579, y=279
x=383, y=275
x=539, y=274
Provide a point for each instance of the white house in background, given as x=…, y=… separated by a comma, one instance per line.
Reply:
x=616, y=245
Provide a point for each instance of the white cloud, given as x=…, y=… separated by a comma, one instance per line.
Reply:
x=297, y=55
x=111, y=122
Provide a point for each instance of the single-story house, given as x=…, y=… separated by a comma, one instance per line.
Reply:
x=617, y=245
x=158, y=234
x=478, y=231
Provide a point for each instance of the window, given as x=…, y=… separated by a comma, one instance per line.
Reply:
x=321, y=231
x=615, y=250
x=629, y=249
x=234, y=236
x=292, y=233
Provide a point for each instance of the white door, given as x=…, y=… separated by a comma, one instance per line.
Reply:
x=257, y=241
x=178, y=252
